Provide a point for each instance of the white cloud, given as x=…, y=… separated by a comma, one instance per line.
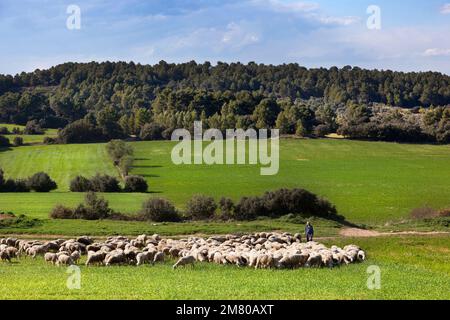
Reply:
x=445, y=9
x=237, y=35
x=435, y=52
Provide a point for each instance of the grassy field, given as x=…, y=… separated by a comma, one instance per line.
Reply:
x=29, y=139
x=369, y=182
x=422, y=271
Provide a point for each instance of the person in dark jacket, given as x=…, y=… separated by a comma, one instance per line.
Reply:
x=309, y=231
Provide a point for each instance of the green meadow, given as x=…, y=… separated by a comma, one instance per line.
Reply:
x=373, y=184
x=369, y=182
x=411, y=268
x=27, y=138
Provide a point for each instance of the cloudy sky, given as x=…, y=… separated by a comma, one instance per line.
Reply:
x=414, y=34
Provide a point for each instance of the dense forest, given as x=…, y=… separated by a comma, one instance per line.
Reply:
x=100, y=101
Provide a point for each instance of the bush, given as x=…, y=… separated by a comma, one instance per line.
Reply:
x=4, y=130
x=48, y=140
x=16, y=130
x=444, y=213
x=95, y=208
x=151, y=131
x=226, y=206
x=33, y=127
x=423, y=213
x=61, y=212
x=80, y=184
x=118, y=149
x=4, y=141
x=159, y=210
x=135, y=184
x=18, y=141
x=201, y=207
x=11, y=185
x=41, y=182
x=105, y=183
x=81, y=131
x=249, y=208
x=322, y=130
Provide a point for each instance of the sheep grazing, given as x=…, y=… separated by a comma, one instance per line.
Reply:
x=64, y=260
x=264, y=261
x=75, y=256
x=259, y=250
x=293, y=261
x=183, y=261
x=4, y=256
x=144, y=257
x=159, y=257
x=115, y=257
x=314, y=260
x=95, y=258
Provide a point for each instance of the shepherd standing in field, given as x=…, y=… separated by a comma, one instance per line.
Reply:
x=309, y=231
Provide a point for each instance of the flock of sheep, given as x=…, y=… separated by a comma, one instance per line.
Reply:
x=259, y=250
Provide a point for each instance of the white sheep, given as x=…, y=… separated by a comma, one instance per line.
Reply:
x=183, y=261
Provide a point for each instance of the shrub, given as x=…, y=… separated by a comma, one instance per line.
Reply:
x=18, y=141
x=80, y=131
x=423, y=213
x=11, y=185
x=4, y=130
x=151, y=131
x=33, y=127
x=19, y=185
x=444, y=213
x=95, y=208
x=4, y=141
x=201, y=207
x=226, y=206
x=80, y=184
x=49, y=140
x=322, y=130
x=16, y=130
x=41, y=182
x=118, y=149
x=135, y=184
x=61, y=212
x=105, y=183
x=249, y=208
x=159, y=210
x=298, y=201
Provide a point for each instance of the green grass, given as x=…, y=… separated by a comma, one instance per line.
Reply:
x=370, y=182
x=29, y=139
x=61, y=162
x=411, y=268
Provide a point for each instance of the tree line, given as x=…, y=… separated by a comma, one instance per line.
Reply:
x=93, y=102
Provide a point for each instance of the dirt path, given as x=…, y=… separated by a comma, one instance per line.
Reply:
x=361, y=233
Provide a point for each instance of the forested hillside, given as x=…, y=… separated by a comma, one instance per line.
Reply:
x=119, y=99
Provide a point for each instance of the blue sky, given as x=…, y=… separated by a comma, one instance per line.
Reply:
x=414, y=35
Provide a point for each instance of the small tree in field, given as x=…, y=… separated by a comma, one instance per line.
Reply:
x=159, y=210
x=118, y=149
x=18, y=141
x=135, y=184
x=41, y=182
x=201, y=207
